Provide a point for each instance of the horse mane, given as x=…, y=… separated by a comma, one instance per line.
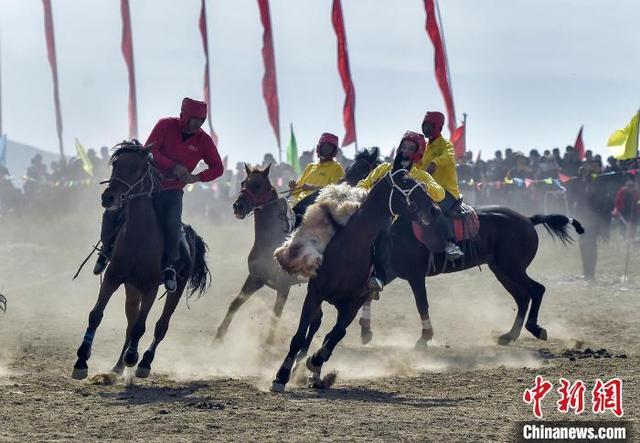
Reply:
x=372, y=154
x=134, y=146
x=125, y=146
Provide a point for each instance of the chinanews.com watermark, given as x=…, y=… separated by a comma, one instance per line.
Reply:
x=602, y=399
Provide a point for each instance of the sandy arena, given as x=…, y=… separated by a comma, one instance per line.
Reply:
x=465, y=387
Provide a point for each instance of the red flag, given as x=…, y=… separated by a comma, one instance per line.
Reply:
x=269, y=84
x=440, y=61
x=579, y=145
x=51, y=52
x=205, y=46
x=127, y=52
x=349, y=110
x=563, y=177
x=458, y=140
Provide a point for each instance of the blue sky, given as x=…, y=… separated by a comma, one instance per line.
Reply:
x=527, y=73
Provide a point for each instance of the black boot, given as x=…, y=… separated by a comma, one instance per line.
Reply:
x=169, y=278
x=103, y=260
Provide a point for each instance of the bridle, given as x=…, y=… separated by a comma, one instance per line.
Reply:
x=258, y=202
x=152, y=174
x=405, y=192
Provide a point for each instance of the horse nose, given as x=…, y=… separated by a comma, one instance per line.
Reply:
x=107, y=199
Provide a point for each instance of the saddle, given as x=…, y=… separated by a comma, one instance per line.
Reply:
x=464, y=221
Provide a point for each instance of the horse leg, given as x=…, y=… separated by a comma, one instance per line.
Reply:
x=536, y=291
x=313, y=329
x=366, y=335
x=108, y=287
x=310, y=307
x=521, y=297
x=250, y=286
x=139, y=326
x=346, y=314
x=419, y=289
x=131, y=308
x=162, y=325
x=281, y=299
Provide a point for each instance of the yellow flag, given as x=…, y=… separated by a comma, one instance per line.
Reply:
x=623, y=143
x=86, y=163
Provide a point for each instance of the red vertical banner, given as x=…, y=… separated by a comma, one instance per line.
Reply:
x=459, y=141
x=579, y=145
x=269, y=83
x=440, y=61
x=53, y=62
x=127, y=52
x=205, y=47
x=349, y=109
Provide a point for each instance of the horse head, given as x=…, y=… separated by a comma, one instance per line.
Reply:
x=364, y=162
x=131, y=166
x=256, y=191
x=409, y=199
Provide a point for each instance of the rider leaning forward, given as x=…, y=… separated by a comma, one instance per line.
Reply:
x=177, y=146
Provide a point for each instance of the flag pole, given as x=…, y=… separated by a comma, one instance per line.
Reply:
x=464, y=133
x=1, y=87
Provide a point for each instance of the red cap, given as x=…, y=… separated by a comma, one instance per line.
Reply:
x=437, y=120
x=418, y=139
x=192, y=108
x=330, y=138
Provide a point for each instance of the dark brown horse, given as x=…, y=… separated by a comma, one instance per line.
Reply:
x=137, y=259
x=258, y=196
x=342, y=277
x=507, y=242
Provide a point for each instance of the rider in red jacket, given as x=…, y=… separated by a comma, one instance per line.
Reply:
x=177, y=145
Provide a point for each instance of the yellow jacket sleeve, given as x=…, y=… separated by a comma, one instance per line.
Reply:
x=434, y=190
x=337, y=173
x=374, y=176
x=301, y=181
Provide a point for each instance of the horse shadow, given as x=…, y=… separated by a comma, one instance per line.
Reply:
x=147, y=395
x=367, y=395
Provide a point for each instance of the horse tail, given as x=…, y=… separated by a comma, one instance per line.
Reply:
x=200, y=278
x=556, y=226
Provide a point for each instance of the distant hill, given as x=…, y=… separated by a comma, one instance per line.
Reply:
x=19, y=157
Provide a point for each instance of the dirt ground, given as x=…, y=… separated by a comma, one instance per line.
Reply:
x=464, y=388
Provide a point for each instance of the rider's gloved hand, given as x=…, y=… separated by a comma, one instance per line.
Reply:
x=179, y=171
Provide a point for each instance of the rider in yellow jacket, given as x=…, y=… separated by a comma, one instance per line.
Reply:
x=326, y=171
x=439, y=160
x=410, y=150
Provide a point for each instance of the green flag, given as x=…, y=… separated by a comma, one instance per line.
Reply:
x=292, y=153
x=86, y=163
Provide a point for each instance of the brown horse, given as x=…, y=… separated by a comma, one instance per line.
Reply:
x=342, y=278
x=137, y=259
x=258, y=196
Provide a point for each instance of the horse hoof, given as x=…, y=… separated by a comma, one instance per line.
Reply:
x=117, y=370
x=422, y=345
x=313, y=368
x=366, y=336
x=504, y=340
x=142, y=372
x=131, y=358
x=277, y=387
x=79, y=373
x=542, y=335
x=314, y=381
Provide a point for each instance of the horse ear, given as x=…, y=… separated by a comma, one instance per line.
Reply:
x=247, y=169
x=267, y=169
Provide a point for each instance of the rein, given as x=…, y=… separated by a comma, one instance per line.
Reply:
x=405, y=192
x=151, y=173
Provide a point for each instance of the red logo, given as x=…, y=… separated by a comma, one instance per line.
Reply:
x=607, y=396
x=571, y=396
x=536, y=394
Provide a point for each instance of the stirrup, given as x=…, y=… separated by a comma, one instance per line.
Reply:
x=101, y=264
x=375, y=286
x=169, y=277
x=453, y=251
